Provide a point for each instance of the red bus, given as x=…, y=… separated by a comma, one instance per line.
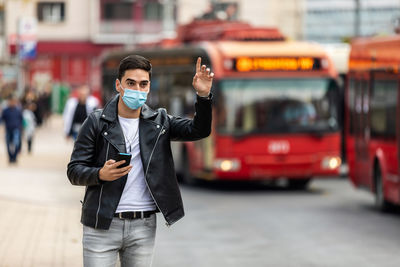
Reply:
x=372, y=109
x=275, y=103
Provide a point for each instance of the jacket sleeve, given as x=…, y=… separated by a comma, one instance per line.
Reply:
x=199, y=127
x=80, y=170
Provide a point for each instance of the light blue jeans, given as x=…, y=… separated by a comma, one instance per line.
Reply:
x=133, y=240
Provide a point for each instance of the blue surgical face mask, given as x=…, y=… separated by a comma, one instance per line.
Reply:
x=134, y=99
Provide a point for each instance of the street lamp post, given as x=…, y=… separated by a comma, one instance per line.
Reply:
x=357, y=18
x=168, y=19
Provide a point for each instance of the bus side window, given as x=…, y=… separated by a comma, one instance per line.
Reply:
x=220, y=109
x=383, y=108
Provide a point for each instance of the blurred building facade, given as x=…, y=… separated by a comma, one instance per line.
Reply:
x=340, y=20
x=71, y=34
x=317, y=20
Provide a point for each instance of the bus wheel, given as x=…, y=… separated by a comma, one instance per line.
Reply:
x=186, y=176
x=380, y=202
x=299, y=184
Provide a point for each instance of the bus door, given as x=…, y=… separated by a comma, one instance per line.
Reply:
x=361, y=129
x=397, y=125
x=384, y=106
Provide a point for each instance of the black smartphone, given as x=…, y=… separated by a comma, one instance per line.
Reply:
x=124, y=156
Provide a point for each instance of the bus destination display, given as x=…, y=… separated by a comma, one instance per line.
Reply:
x=247, y=64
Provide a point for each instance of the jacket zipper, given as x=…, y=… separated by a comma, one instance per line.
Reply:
x=147, y=169
x=101, y=192
x=98, y=208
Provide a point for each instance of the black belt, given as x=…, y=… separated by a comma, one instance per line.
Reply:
x=134, y=214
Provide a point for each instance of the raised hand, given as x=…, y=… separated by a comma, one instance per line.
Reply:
x=202, y=80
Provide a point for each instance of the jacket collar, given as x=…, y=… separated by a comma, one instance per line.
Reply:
x=110, y=111
x=147, y=113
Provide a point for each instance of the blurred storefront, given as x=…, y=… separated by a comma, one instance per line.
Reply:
x=70, y=63
x=71, y=36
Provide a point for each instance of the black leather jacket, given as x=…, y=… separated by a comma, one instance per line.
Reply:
x=101, y=138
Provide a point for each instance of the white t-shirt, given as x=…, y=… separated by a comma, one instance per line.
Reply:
x=136, y=195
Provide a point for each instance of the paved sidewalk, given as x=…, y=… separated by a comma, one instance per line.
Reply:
x=40, y=209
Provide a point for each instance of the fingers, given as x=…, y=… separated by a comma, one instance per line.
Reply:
x=198, y=64
x=202, y=70
x=117, y=164
x=117, y=173
x=206, y=72
x=111, y=172
x=209, y=73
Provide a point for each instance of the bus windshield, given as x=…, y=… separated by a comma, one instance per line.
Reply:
x=257, y=106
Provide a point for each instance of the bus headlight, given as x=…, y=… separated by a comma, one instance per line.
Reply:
x=227, y=165
x=331, y=163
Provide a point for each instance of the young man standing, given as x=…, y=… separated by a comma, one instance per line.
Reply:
x=119, y=206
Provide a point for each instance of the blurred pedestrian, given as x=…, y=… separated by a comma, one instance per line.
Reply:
x=12, y=118
x=77, y=109
x=29, y=96
x=29, y=124
x=44, y=102
x=119, y=206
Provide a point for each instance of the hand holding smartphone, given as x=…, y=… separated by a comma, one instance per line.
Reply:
x=124, y=156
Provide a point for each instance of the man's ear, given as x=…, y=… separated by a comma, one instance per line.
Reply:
x=118, y=86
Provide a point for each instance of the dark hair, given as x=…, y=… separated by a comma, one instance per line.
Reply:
x=133, y=62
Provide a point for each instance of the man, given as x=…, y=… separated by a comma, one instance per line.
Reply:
x=76, y=110
x=12, y=117
x=119, y=206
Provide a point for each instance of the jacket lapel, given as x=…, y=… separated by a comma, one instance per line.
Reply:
x=113, y=134
x=148, y=133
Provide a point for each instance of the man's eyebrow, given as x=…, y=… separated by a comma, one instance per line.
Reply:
x=132, y=80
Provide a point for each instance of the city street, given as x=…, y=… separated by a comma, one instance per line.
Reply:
x=331, y=224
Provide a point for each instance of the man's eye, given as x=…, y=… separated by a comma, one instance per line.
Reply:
x=143, y=84
x=130, y=84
